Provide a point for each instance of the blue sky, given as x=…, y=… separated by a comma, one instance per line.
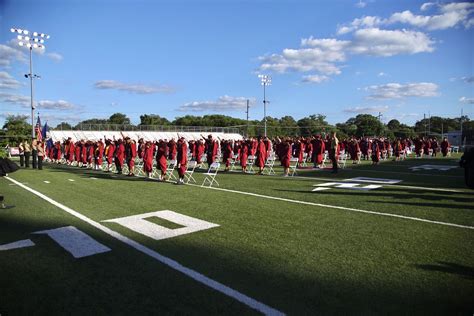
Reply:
x=172, y=58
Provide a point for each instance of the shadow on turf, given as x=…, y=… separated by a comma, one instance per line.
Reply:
x=448, y=267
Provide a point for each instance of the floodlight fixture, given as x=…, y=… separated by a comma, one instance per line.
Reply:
x=266, y=80
x=35, y=40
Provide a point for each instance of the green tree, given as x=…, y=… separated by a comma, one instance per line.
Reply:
x=119, y=119
x=63, y=126
x=313, y=124
x=288, y=126
x=367, y=125
x=16, y=129
x=393, y=125
x=153, y=119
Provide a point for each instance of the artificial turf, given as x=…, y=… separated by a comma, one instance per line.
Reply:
x=296, y=258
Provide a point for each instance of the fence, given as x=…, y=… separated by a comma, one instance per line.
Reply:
x=151, y=128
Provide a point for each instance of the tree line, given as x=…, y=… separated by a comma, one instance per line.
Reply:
x=17, y=127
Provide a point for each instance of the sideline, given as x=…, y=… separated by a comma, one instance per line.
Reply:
x=250, y=302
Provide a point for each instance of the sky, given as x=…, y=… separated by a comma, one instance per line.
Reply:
x=340, y=58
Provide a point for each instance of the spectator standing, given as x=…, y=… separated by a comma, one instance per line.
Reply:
x=27, y=151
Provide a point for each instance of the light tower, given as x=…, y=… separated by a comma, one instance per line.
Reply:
x=266, y=81
x=31, y=40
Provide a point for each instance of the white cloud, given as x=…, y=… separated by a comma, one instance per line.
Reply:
x=361, y=4
x=9, y=55
x=325, y=55
x=133, y=88
x=381, y=74
x=7, y=81
x=314, y=79
x=363, y=22
x=466, y=100
x=367, y=109
x=15, y=99
x=377, y=42
x=224, y=103
x=468, y=79
x=55, y=56
x=398, y=91
x=426, y=6
x=321, y=57
x=56, y=105
x=450, y=15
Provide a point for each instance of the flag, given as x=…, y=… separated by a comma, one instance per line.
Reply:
x=45, y=130
x=39, y=136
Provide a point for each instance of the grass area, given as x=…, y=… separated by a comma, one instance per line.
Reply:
x=296, y=258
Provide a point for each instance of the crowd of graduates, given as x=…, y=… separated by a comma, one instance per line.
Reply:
x=105, y=153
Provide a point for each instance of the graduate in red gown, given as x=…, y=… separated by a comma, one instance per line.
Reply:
x=286, y=151
x=161, y=162
x=172, y=149
x=130, y=154
x=119, y=155
x=227, y=153
x=71, y=150
x=83, y=154
x=199, y=151
x=260, y=155
x=244, y=153
x=148, y=149
x=212, y=148
x=182, y=159
x=397, y=149
x=109, y=152
x=375, y=152
x=99, y=153
x=445, y=147
x=78, y=153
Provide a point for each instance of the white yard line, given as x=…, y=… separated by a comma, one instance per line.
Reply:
x=337, y=207
x=250, y=302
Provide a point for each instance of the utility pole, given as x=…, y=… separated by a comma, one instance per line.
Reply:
x=460, y=144
x=429, y=123
x=379, y=116
x=247, y=112
x=424, y=121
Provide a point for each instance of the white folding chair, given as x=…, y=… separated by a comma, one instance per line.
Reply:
x=269, y=165
x=169, y=171
x=250, y=163
x=211, y=174
x=139, y=167
x=342, y=161
x=293, y=166
x=188, y=174
x=305, y=157
x=325, y=160
x=233, y=161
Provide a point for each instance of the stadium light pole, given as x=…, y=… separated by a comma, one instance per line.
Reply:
x=31, y=40
x=266, y=81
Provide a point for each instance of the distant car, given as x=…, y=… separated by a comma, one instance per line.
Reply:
x=467, y=162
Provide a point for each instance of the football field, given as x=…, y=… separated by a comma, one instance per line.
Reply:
x=396, y=238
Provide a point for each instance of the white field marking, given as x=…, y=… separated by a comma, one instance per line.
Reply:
x=72, y=180
x=320, y=189
x=337, y=207
x=74, y=241
x=347, y=185
x=11, y=184
x=139, y=224
x=17, y=244
x=433, y=167
x=46, y=181
x=373, y=180
x=250, y=302
x=92, y=178
x=394, y=185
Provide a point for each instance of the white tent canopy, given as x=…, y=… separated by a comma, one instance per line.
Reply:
x=136, y=135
